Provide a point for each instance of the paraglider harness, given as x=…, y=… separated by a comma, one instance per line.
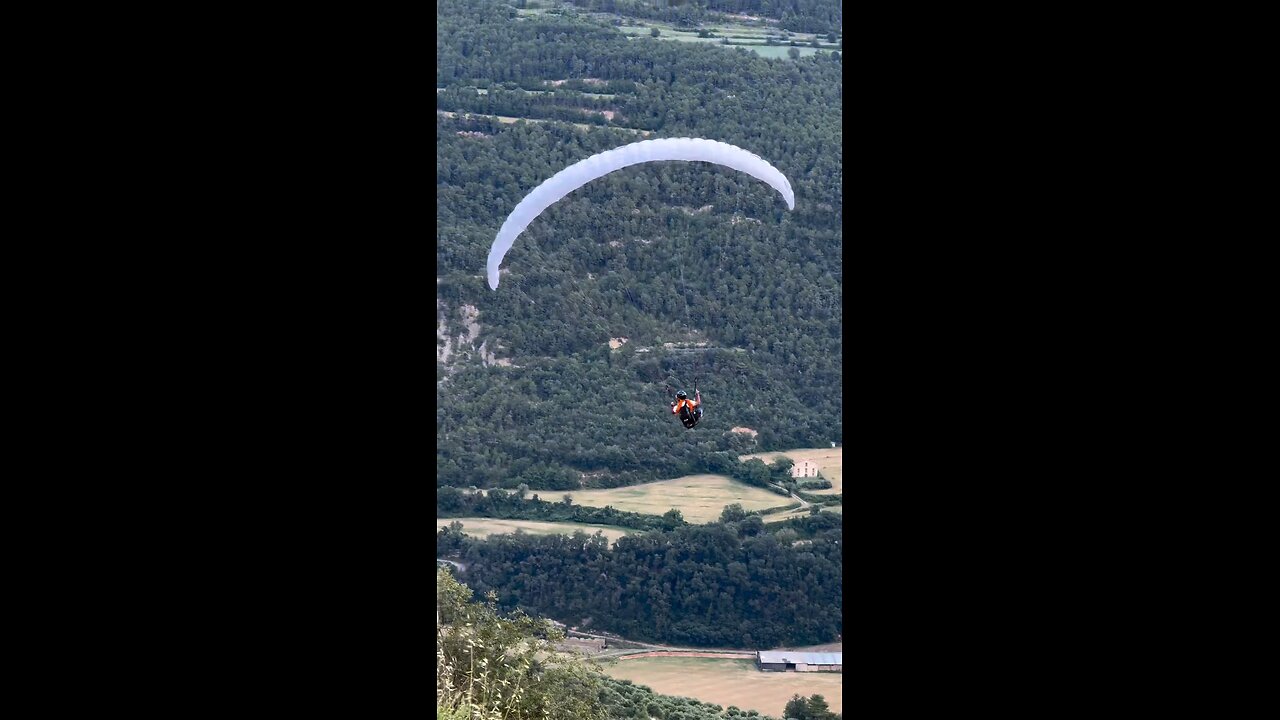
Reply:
x=690, y=412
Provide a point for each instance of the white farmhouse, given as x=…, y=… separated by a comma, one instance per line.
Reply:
x=804, y=468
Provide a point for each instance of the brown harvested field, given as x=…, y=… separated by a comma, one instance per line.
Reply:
x=830, y=462
x=729, y=682
x=484, y=527
x=699, y=498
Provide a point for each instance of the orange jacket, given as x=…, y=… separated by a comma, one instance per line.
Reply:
x=691, y=404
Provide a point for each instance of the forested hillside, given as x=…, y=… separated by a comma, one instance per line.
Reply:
x=736, y=583
x=702, y=270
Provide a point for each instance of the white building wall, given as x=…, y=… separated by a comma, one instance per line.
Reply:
x=804, y=469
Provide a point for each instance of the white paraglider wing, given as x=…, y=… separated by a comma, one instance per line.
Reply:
x=599, y=165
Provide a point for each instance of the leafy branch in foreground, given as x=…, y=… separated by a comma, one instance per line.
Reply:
x=490, y=667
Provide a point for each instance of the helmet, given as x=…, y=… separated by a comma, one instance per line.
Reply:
x=682, y=395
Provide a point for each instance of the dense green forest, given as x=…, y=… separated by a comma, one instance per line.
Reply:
x=703, y=270
x=737, y=583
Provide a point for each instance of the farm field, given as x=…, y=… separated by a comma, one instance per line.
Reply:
x=729, y=682
x=751, y=37
x=484, y=527
x=778, y=51
x=485, y=91
x=508, y=120
x=830, y=462
x=699, y=498
x=767, y=51
x=744, y=29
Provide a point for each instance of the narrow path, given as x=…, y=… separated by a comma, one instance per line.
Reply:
x=803, y=503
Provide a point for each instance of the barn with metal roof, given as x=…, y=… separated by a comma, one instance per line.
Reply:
x=791, y=660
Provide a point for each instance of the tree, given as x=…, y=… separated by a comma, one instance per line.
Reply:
x=815, y=509
x=567, y=499
x=654, y=32
x=733, y=513
x=754, y=472
x=818, y=708
x=484, y=660
x=672, y=519
x=781, y=468
x=797, y=709
x=831, y=38
x=793, y=53
x=813, y=708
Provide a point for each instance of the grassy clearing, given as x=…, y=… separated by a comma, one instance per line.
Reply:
x=751, y=37
x=508, y=120
x=830, y=462
x=778, y=51
x=692, y=37
x=484, y=527
x=485, y=91
x=729, y=682
x=503, y=118
x=759, y=48
x=699, y=498
x=779, y=517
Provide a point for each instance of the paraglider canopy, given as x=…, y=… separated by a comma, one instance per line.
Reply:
x=601, y=164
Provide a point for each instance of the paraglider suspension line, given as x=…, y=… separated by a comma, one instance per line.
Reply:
x=684, y=288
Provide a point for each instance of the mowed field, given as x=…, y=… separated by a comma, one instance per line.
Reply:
x=484, y=527
x=699, y=498
x=830, y=462
x=729, y=682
